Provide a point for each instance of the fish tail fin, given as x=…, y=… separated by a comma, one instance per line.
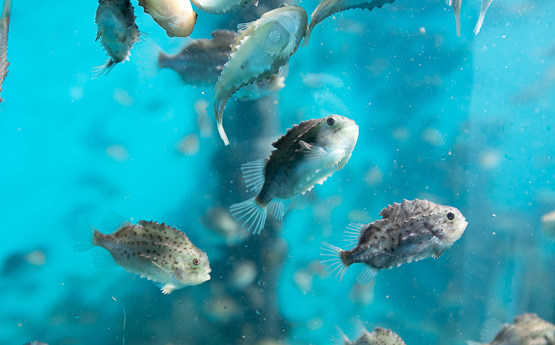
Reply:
x=335, y=264
x=251, y=213
x=102, y=70
x=7, y=10
x=85, y=236
x=218, y=105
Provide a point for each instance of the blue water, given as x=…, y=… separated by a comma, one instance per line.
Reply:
x=464, y=121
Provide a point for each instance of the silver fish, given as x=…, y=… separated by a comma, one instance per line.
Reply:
x=379, y=336
x=307, y=154
x=154, y=251
x=222, y=6
x=261, y=49
x=177, y=17
x=528, y=329
x=483, y=10
x=4, y=28
x=409, y=231
x=327, y=8
x=117, y=32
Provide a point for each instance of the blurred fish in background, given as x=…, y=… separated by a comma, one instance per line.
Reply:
x=4, y=29
x=527, y=329
x=177, y=17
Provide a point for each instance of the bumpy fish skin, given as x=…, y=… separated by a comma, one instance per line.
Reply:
x=528, y=329
x=327, y=8
x=409, y=231
x=117, y=31
x=261, y=49
x=222, y=6
x=177, y=17
x=4, y=28
x=308, y=154
x=154, y=251
x=379, y=336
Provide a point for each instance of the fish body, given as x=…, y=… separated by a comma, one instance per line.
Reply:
x=307, y=154
x=261, y=49
x=379, y=336
x=483, y=10
x=154, y=251
x=548, y=224
x=177, y=17
x=528, y=329
x=327, y=8
x=117, y=31
x=4, y=28
x=409, y=231
x=261, y=88
x=222, y=6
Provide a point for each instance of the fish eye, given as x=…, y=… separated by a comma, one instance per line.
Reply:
x=330, y=121
x=283, y=5
x=450, y=216
x=196, y=262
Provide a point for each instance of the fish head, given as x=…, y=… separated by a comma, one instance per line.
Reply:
x=447, y=223
x=336, y=132
x=194, y=269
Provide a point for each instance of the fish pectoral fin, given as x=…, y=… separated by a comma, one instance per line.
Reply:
x=253, y=174
x=319, y=155
x=167, y=288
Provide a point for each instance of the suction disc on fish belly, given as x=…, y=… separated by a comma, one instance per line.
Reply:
x=262, y=49
x=306, y=155
x=154, y=251
x=410, y=231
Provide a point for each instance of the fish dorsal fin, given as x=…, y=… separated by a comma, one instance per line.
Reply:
x=162, y=229
x=339, y=338
x=244, y=30
x=295, y=133
x=253, y=174
x=353, y=232
x=405, y=209
x=490, y=330
x=113, y=222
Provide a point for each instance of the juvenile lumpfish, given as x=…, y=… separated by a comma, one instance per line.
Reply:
x=409, y=231
x=307, y=154
x=379, y=336
x=222, y=6
x=154, y=251
x=117, y=31
x=483, y=10
x=4, y=28
x=327, y=8
x=261, y=49
x=175, y=16
x=528, y=329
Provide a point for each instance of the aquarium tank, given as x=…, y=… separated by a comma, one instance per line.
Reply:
x=295, y=172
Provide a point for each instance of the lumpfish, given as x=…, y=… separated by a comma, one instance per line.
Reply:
x=379, y=336
x=409, y=231
x=261, y=49
x=4, y=28
x=261, y=88
x=483, y=10
x=222, y=6
x=327, y=8
x=528, y=329
x=175, y=16
x=307, y=154
x=117, y=31
x=154, y=251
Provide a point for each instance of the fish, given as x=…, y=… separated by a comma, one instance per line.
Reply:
x=261, y=49
x=379, y=336
x=222, y=6
x=154, y=251
x=36, y=343
x=409, y=231
x=327, y=8
x=177, y=17
x=4, y=28
x=528, y=329
x=201, y=61
x=483, y=10
x=457, y=10
x=307, y=154
x=117, y=32
x=548, y=224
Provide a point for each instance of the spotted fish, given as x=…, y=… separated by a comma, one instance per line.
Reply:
x=262, y=48
x=4, y=28
x=379, y=336
x=154, y=251
x=307, y=154
x=409, y=231
x=528, y=329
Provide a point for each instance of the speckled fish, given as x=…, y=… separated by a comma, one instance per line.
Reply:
x=177, y=17
x=222, y=6
x=4, y=28
x=456, y=4
x=117, y=31
x=154, y=251
x=261, y=49
x=528, y=329
x=379, y=336
x=409, y=231
x=327, y=8
x=483, y=10
x=307, y=154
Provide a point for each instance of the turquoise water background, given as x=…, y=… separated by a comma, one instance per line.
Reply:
x=464, y=121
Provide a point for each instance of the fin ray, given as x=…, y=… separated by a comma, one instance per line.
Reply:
x=253, y=174
x=254, y=213
x=84, y=235
x=367, y=274
x=278, y=208
x=335, y=264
